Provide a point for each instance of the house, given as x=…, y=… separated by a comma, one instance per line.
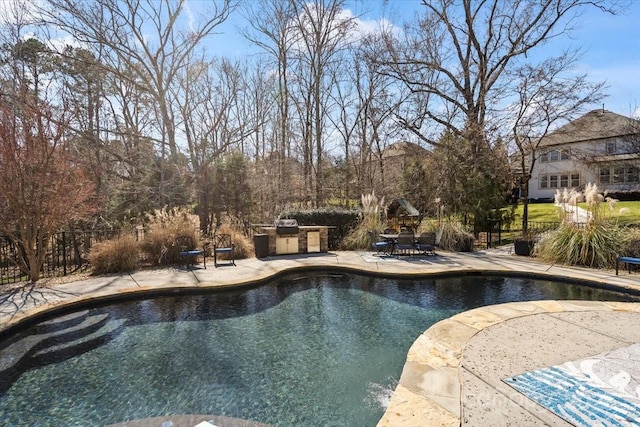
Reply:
x=600, y=147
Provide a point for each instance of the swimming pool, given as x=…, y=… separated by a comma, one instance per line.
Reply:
x=317, y=349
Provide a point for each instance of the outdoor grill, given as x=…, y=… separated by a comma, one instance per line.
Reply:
x=286, y=226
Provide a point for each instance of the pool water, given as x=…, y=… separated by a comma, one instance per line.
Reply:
x=307, y=350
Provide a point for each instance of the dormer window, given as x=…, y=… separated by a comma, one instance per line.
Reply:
x=611, y=147
x=554, y=155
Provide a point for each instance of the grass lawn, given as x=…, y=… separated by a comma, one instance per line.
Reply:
x=548, y=212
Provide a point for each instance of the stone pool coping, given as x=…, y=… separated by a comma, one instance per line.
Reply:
x=431, y=385
x=434, y=356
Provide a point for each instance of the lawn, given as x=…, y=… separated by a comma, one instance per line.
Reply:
x=548, y=212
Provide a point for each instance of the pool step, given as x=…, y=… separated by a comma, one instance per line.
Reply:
x=89, y=338
x=80, y=333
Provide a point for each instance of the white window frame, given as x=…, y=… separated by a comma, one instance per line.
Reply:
x=543, y=181
x=619, y=174
x=546, y=181
x=555, y=155
x=574, y=179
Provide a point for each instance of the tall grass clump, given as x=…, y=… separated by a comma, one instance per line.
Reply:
x=115, y=256
x=164, y=227
x=595, y=243
x=455, y=237
x=359, y=238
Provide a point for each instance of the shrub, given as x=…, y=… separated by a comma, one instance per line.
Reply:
x=595, y=244
x=160, y=244
x=631, y=246
x=115, y=256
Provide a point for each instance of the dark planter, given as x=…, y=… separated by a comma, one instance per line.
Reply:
x=466, y=245
x=523, y=247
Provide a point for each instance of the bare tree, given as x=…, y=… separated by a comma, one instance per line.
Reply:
x=273, y=30
x=381, y=98
x=145, y=42
x=41, y=186
x=322, y=35
x=458, y=61
x=456, y=58
x=213, y=114
x=548, y=94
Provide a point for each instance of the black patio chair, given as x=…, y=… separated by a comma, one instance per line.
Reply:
x=223, y=246
x=188, y=252
x=405, y=244
x=426, y=243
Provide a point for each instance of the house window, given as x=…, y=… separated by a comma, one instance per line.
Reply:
x=611, y=147
x=619, y=174
x=561, y=180
x=575, y=180
x=554, y=156
x=564, y=181
x=543, y=181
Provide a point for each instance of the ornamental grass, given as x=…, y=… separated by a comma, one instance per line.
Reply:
x=595, y=243
x=115, y=256
x=359, y=237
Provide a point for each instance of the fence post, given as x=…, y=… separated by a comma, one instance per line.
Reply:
x=64, y=253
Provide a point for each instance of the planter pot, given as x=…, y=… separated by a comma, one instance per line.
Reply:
x=466, y=245
x=523, y=247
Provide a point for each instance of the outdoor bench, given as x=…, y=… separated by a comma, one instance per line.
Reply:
x=626, y=260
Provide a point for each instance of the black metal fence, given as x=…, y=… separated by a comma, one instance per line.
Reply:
x=499, y=233
x=67, y=253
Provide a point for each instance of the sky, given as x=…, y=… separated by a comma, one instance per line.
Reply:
x=610, y=45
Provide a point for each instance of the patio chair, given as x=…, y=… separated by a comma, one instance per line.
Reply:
x=222, y=245
x=188, y=252
x=406, y=242
x=380, y=245
x=426, y=243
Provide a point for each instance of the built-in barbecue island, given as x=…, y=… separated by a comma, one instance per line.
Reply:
x=287, y=237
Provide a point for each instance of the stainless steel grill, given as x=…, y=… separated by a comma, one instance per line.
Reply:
x=286, y=226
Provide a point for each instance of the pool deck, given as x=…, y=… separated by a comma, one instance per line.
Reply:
x=454, y=370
